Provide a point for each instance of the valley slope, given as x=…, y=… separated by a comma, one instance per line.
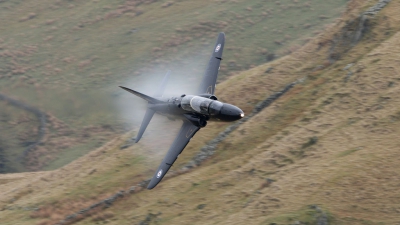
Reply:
x=323, y=153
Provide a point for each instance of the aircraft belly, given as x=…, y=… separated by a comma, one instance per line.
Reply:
x=172, y=114
x=214, y=119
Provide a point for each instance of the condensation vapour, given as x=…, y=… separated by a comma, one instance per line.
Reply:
x=185, y=78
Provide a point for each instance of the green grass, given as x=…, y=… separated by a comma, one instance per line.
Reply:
x=67, y=155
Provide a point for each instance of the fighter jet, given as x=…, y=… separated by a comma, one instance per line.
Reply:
x=194, y=110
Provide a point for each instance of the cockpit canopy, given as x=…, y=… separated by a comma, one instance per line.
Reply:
x=201, y=105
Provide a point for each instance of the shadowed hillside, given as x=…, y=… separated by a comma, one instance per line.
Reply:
x=325, y=152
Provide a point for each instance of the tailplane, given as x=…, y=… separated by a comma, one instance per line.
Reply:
x=145, y=97
x=149, y=112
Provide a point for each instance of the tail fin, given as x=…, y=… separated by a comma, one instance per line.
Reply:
x=150, y=112
x=145, y=97
x=146, y=120
x=161, y=89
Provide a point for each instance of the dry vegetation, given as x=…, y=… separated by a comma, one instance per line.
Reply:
x=332, y=141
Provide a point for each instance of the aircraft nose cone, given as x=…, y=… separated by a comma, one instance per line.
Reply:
x=230, y=113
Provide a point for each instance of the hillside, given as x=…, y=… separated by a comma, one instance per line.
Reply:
x=66, y=58
x=325, y=152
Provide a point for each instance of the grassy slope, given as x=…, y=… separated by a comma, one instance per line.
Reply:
x=350, y=171
x=65, y=57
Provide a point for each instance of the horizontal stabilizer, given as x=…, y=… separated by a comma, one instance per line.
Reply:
x=145, y=97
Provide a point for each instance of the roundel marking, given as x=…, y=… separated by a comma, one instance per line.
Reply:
x=159, y=173
x=218, y=48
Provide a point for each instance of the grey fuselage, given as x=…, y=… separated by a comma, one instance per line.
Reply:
x=197, y=109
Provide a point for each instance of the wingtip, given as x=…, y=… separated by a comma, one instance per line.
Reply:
x=155, y=181
x=139, y=136
x=151, y=185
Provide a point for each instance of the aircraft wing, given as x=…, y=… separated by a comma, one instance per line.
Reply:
x=187, y=131
x=210, y=77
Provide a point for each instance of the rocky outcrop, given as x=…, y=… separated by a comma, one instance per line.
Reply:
x=321, y=217
x=104, y=203
x=377, y=7
x=353, y=31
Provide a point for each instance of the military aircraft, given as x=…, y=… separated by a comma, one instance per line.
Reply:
x=195, y=110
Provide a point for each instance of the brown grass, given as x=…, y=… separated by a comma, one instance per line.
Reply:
x=349, y=170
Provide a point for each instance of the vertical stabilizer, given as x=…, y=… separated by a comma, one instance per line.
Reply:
x=146, y=120
x=151, y=100
x=161, y=89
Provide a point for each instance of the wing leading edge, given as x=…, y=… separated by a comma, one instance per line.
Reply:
x=187, y=131
x=210, y=76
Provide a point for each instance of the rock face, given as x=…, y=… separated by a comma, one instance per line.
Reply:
x=321, y=217
x=354, y=30
x=363, y=19
x=377, y=7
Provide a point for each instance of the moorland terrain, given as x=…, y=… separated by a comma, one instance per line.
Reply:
x=66, y=59
x=324, y=152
